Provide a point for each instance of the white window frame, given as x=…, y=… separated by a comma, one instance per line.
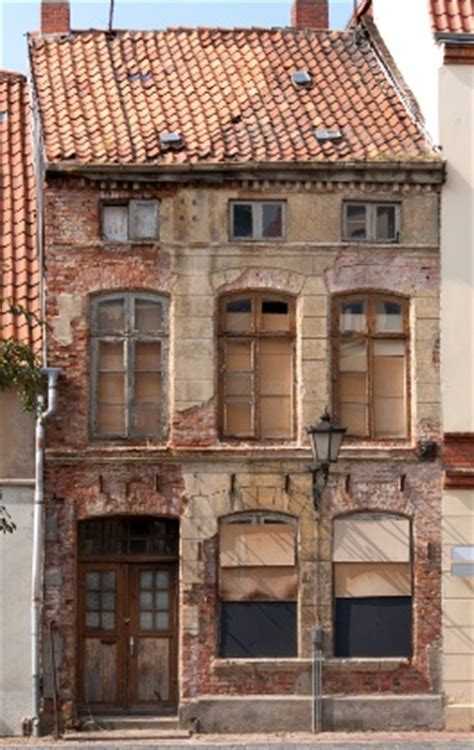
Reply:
x=371, y=221
x=257, y=220
x=132, y=220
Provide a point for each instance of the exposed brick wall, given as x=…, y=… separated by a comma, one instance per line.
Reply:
x=193, y=263
x=310, y=14
x=55, y=17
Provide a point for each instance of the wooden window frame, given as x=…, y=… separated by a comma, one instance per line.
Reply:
x=129, y=337
x=131, y=205
x=257, y=214
x=255, y=335
x=370, y=335
x=371, y=221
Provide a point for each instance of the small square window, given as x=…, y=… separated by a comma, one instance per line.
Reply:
x=136, y=220
x=257, y=220
x=373, y=222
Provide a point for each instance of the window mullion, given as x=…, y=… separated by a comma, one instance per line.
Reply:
x=256, y=387
x=258, y=214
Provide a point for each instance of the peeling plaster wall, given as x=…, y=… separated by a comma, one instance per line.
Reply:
x=194, y=262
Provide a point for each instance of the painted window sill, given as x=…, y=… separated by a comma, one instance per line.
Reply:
x=389, y=664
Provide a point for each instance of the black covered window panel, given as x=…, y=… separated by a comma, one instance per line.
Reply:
x=373, y=627
x=257, y=629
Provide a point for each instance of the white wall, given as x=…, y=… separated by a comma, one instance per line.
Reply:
x=456, y=84
x=15, y=598
x=406, y=30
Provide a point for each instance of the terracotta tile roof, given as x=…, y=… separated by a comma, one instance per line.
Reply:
x=452, y=16
x=19, y=268
x=106, y=98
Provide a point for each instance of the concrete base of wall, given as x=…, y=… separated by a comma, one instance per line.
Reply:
x=459, y=718
x=255, y=713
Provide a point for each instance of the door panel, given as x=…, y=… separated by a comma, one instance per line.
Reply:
x=128, y=635
x=152, y=635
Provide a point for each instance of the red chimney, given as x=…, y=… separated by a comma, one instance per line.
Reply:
x=55, y=17
x=310, y=14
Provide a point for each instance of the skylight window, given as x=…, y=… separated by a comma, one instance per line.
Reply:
x=3, y=116
x=301, y=78
x=328, y=135
x=171, y=141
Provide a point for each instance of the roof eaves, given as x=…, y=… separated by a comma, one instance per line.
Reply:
x=454, y=37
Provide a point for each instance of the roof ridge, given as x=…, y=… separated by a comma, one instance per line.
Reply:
x=12, y=75
x=190, y=30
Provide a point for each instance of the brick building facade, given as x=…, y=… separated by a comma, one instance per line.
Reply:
x=205, y=308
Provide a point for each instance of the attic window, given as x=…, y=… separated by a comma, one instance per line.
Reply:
x=301, y=78
x=171, y=141
x=3, y=116
x=328, y=135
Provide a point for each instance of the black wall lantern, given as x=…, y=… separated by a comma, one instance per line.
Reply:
x=326, y=439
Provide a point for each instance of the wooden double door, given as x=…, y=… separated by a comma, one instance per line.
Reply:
x=128, y=636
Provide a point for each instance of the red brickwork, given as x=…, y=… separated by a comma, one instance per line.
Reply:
x=310, y=14
x=55, y=17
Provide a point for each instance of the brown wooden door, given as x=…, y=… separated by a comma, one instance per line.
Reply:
x=128, y=636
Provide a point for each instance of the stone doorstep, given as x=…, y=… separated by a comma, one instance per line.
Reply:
x=125, y=735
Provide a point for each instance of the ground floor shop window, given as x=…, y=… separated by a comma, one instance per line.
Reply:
x=258, y=584
x=372, y=586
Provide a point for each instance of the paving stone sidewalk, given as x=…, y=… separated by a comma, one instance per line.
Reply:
x=325, y=741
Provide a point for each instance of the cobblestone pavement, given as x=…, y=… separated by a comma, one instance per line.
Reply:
x=327, y=741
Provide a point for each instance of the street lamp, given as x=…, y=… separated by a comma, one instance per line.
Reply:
x=325, y=439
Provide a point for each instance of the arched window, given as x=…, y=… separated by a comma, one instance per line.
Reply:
x=129, y=341
x=372, y=585
x=256, y=383
x=370, y=365
x=258, y=586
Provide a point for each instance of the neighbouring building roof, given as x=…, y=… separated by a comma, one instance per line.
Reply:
x=452, y=16
x=19, y=266
x=107, y=98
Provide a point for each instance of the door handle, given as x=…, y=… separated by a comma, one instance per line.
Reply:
x=131, y=645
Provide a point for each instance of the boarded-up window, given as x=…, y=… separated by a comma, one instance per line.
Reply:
x=129, y=352
x=372, y=586
x=258, y=587
x=135, y=220
x=370, y=335
x=257, y=366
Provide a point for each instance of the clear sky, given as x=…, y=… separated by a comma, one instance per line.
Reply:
x=19, y=16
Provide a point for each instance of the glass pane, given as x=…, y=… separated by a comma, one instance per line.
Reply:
x=238, y=356
x=275, y=417
x=242, y=220
x=115, y=223
x=272, y=220
x=93, y=600
x=148, y=316
x=390, y=418
x=238, y=419
x=353, y=356
x=276, y=367
x=111, y=316
x=352, y=316
x=108, y=601
x=161, y=620
x=147, y=420
x=146, y=600
x=146, y=620
x=356, y=222
x=148, y=387
x=238, y=315
x=355, y=418
x=146, y=579
x=110, y=356
x=385, y=226
x=108, y=620
x=353, y=387
x=108, y=580
x=111, y=420
x=148, y=356
x=389, y=317
x=93, y=581
x=144, y=219
x=162, y=579
x=239, y=385
x=162, y=600
x=92, y=620
x=275, y=315
x=111, y=388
